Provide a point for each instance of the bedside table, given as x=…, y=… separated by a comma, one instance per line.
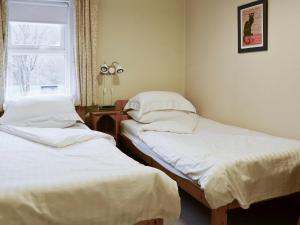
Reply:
x=106, y=121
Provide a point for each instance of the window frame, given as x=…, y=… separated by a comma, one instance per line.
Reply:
x=64, y=50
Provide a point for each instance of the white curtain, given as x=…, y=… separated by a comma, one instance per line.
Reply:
x=3, y=49
x=86, y=30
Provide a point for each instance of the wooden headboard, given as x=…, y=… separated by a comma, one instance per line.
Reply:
x=120, y=104
x=82, y=111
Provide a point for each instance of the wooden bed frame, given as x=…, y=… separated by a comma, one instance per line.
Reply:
x=218, y=216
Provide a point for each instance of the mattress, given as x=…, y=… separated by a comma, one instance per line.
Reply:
x=229, y=163
x=130, y=129
x=91, y=182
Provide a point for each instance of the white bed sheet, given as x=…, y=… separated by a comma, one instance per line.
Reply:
x=130, y=129
x=229, y=162
x=87, y=183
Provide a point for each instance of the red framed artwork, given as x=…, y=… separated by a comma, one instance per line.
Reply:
x=253, y=27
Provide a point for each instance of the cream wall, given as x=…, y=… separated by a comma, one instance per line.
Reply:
x=147, y=37
x=254, y=90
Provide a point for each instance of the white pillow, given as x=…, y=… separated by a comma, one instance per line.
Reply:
x=42, y=111
x=155, y=116
x=158, y=100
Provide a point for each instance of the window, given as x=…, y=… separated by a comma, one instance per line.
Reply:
x=40, y=54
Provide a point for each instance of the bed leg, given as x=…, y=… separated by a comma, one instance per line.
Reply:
x=219, y=216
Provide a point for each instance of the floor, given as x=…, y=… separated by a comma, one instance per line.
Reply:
x=277, y=212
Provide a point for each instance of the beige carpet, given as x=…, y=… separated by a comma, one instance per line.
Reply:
x=279, y=212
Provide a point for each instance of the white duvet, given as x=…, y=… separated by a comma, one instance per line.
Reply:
x=89, y=181
x=184, y=124
x=55, y=137
x=229, y=162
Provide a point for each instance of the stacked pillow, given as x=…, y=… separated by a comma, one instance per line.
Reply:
x=41, y=111
x=151, y=106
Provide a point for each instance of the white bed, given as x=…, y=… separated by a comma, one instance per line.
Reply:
x=89, y=182
x=228, y=163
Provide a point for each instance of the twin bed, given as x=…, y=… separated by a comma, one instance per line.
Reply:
x=70, y=176
x=223, y=167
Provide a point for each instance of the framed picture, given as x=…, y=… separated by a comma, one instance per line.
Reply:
x=253, y=27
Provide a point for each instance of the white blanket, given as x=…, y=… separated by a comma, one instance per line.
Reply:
x=231, y=163
x=181, y=125
x=55, y=137
x=88, y=183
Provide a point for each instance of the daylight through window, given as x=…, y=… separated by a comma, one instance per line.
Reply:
x=39, y=49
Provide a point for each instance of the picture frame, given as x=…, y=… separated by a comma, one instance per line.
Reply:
x=253, y=27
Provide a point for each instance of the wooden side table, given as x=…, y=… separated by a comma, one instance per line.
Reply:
x=106, y=121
